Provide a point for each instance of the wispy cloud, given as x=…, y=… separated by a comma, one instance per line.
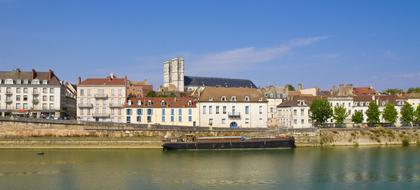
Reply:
x=245, y=57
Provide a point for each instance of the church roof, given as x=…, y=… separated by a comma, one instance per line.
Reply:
x=217, y=82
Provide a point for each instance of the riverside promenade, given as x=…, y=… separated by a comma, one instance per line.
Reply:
x=39, y=133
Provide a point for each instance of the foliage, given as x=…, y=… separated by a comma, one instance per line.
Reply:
x=340, y=114
x=320, y=111
x=390, y=114
x=357, y=117
x=151, y=94
x=373, y=113
x=290, y=87
x=417, y=114
x=407, y=113
x=393, y=91
x=414, y=90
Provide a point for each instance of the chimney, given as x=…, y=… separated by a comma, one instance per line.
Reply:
x=50, y=74
x=79, y=80
x=33, y=74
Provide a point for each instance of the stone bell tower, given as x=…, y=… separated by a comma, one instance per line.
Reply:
x=173, y=74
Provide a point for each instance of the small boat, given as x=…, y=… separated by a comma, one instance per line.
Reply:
x=191, y=142
x=40, y=153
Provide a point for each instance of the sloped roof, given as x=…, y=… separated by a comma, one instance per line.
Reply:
x=103, y=81
x=293, y=101
x=363, y=91
x=218, y=82
x=170, y=102
x=31, y=75
x=216, y=94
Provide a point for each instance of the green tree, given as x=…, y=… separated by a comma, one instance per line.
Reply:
x=417, y=114
x=407, y=113
x=340, y=114
x=390, y=114
x=393, y=91
x=373, y=113
x=413, y=90
x=151, y=94
x=320, y=111
x=357, y=117
x=290, y=87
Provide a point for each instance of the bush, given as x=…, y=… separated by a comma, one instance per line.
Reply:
x=405, y=142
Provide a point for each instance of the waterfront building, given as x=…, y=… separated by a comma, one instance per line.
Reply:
x=34, y=94
x=294, y=112
x=174, y=79
x=181, y=111
x=232, y=107
x=101, y=99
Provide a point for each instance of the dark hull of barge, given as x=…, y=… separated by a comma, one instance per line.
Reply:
x=249, y=144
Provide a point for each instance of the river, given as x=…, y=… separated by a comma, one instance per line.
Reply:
x=149, y=169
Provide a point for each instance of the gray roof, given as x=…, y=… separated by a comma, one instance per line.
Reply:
x=30, y=75
x=217, y=82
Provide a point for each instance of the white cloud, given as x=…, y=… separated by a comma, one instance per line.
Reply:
x=246, y=57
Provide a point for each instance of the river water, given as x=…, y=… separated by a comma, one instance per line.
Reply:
x=303, y=168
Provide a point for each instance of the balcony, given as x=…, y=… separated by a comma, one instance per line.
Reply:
x=111, y=105
x=234, y=114
x=101, y=96
x=9, y=93
x=100, y=115
x=86, y=105
x=8, y=101
x=35, y=93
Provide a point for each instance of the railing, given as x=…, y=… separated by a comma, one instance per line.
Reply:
x=234, y=114
x=115, y=105
x=102, y=115
x=9, y=92
x=35, y=101
x=87, y=105
x=9, y=100
x=35, y=93
x=101, y=96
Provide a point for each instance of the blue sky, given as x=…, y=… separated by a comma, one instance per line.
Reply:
x=317, y=43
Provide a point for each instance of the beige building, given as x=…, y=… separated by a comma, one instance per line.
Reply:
x=101, y=99
x=34, y=94
x=173, y=75
x=180, y=111
x=232, y=107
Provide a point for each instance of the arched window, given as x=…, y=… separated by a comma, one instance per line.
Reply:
x=149, y=102
x=163, y=103
x=246, y=99
x=189, y=103
x=233, y=98
x=223, y=99
x=139, y=103
x=129, y=102
x=210, y=98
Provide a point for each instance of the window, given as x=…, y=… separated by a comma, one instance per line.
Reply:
x=180, y=118
x=18, y=81
x=233, y=109
x=302, y=121
x=17, y=97
x=139, y=111
x=149, y=111
x=112, y=92
x=302, y=112
x=44, y=82
x=88, y=92
x=128, y=119
x=51, y=90
x=119, y=92
x=149, y=119
x=51, y=98
x=223, y=99
x=25, y=97
x=179, y=111
x=119, y=111
x=82, y=92
x=204, y=110
x=217, y=109
x=163, y=111
x=172, y=118
x=17, y=105
x=224, y=109
x=138, y=118
x=189, y=103
x=223, y=121
x=295, y=121
x=129, y=102
x=149, y=103
x=128, y=111
x=163, y=103
x=163, y=118
x=210, y=109
x=172, y=111
x=211, y=99
x=44, y=90
x=233, y=99
x=246, y=120
x=189, y=118
x=246, y=98
x=44, y=106
x=211, y=121
x=35, y=81
x=8, y=81
x=294, y=112
x=260, y=110
x=190, y=111
x=246, y=109
x=25, y=90
x=44, y=98
x=51, y=106
x=18, y=90
x=139, y=103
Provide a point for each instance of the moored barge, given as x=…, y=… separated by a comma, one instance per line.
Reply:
x=191, y=142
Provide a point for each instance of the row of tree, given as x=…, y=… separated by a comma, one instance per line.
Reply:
x=321, y=111
x=395, y=91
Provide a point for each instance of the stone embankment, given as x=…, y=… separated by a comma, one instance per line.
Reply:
x=33, y=134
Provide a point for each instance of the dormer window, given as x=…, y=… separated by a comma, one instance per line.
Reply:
x=383, y=103
x=211, y=99
x=129, y=102
x=1, y=81
x=44, y=82
x=139, y=103
x=35, y=81
x=189, y=103
x=18, y=81
x=149, y=102
x=163, y=103
x=8, y=81
x=233, y=98
x=260, y=99
x=223, y=99
x=246, y=99
x=25, y=81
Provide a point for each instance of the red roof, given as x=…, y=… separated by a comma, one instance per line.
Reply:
x=104, y=81
x=363, y=91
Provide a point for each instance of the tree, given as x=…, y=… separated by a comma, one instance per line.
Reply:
x=373, y=113
x=393, y=91
x=151, y=94
x=357, y=117
x=407, y=114
x=390, y=114
x=340, y=114
x=320, y=111
x=290, y=87
x=417, y=114
x=413, y=90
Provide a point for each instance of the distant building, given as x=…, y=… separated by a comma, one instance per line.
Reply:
x=174, y=79
x=34, y=94
x=181, y=111
x=138, y=89
x=359, y=91
x=232, y=107
x=294, y=112
x=101, y=99
x=274, y=96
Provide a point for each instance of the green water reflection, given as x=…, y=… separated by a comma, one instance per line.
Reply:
x=308, y=168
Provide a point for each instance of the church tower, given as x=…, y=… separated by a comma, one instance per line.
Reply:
x=173, y=74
